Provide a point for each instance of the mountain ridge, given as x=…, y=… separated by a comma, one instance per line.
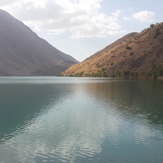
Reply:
x=135, y=54
x=23, y=52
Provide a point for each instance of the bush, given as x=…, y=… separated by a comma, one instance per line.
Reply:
x=128, y=48
x=126, y=74
x=152, y=25
x=156, y=71
x=132, y=53
x=79, y=74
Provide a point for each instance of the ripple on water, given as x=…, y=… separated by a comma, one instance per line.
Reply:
x=87, y=125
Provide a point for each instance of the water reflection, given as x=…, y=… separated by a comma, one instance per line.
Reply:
x=21, y=103
x=135, y=97
x=84, y=122
x=62, y=132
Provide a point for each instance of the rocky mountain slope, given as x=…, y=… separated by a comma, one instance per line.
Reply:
x=136, y=54
x=22, y=52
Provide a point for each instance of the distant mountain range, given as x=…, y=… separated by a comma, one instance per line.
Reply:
x=22, y=52
x=136, y=54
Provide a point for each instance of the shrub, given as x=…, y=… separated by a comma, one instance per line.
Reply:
x=152, y=25
x=156, y=71
x=132, y=53
x=128, y=48
x=126, y=74
x=80, y=74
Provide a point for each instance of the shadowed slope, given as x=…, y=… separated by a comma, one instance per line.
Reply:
x=22, y=52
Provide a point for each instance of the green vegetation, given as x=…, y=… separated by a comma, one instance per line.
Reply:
x=155, y=71
x=98, y=74
x=126, y=74
x=128, y=47
x=152, y=25
x=80, y=74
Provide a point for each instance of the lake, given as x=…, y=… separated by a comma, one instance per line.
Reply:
x=80, y=120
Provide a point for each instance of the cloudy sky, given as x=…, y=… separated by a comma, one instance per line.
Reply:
x=82, y=27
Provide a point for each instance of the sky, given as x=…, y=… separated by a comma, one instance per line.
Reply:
x=80, y=28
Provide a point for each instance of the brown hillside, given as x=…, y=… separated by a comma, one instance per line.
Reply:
x=135, y=53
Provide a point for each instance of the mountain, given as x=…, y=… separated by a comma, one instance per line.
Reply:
x=22, y=52
x=136, y=54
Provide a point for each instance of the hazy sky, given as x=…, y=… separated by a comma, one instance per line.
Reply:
x=82, y=27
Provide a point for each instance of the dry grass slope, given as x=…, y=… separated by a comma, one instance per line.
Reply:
x=136, y=54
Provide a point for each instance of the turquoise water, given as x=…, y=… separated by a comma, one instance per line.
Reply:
x=80, y=120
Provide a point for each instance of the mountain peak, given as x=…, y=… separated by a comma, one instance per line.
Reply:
x=22, y=52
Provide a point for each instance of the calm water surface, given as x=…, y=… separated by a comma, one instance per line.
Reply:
x=80, y=120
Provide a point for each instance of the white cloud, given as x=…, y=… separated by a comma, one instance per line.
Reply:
x=144, y=16
x=125, y=18
x=81, y=18
x=6, y=2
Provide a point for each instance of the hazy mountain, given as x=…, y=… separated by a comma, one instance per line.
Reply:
x=134, y=54
x=22, y=52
